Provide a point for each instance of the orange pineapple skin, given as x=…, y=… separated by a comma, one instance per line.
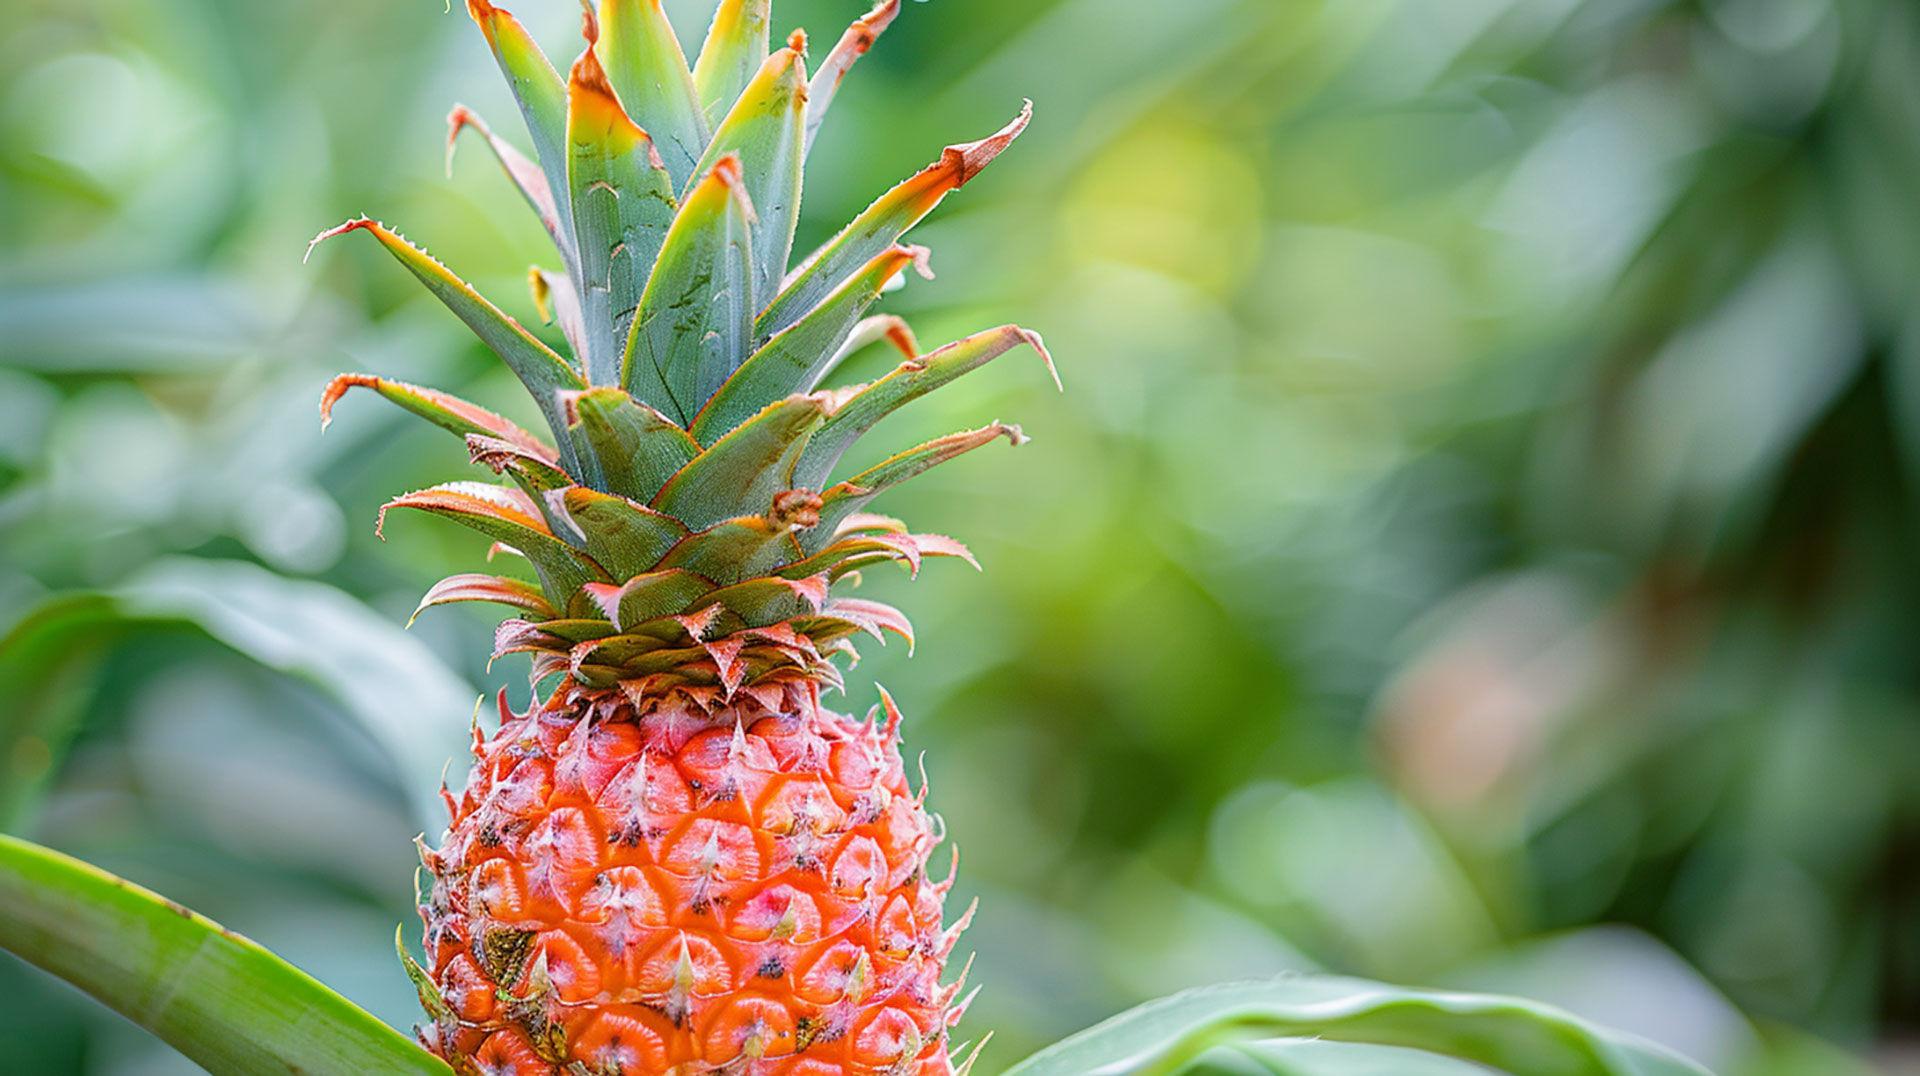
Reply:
x=685, y=885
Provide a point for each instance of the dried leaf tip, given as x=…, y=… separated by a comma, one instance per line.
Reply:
x=589, y=23
x=1033, y=341
x=727, y=171
x=797, y=41
x=967, y=159
x=340, y=229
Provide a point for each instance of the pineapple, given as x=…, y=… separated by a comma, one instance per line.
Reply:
x=677, y=859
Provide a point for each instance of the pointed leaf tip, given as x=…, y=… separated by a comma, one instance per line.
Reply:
x=967, y=159
x=338, y=229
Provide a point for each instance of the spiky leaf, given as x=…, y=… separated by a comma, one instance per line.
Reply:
x=622, y=206
x=858, y=410
x=544, y=374
x=795, y=360
x=541, y=95
x=648, y=70
x=764, y=130
x=736, y=46
x=882, y=224
x=852, y=45
x=443, y=410
x=744, y=469
x=853, y=495
x=509, y=516
x=638, y=448
x=226, y=1003
x=695, y=320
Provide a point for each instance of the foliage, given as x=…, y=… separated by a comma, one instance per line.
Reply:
x=1481, y=508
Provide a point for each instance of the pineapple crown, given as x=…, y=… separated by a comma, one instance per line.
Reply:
x=683, y=524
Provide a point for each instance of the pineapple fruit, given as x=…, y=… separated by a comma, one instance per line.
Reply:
x=677, y=859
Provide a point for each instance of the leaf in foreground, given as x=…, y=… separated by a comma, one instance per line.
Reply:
x=1511, y=1035
x=222, y=1000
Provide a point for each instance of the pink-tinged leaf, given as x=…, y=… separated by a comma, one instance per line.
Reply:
x=871, y=617
x=857, y=410
x=889, y=327
x=649, y=72
x=857, y=522
x=882, y=224
x=544, y=373
x=699, y=621
x=649, y=596
x=852, y=45
x=853, y=495
x=525, y=174
x=939, y=545
x=486, y=588
x=736, y=46
x=695, y=322
x=507, y=515
x=796, y=359
x=526, y=467
x=726, y=658
x=519, y=636
x=439, y=408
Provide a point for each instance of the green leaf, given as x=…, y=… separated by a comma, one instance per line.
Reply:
x=507, y=515
x=852, y=45
x=49, y=666
x=226, y=1003
x=443, y=410
x=544, y=373
x=649, y=596
x=526, y=175
x=638, y=448
x=473, y=587
x=627, y=538
x=543, y=102
x=735, y=550
x=696, y=319
x=622, y=206
x=795, y=360
x=1311, y=1057
x=649, y=72
x=881, y=224
x=851, y=496
x=736, y=46
x=1512, y=1035
x=764, y=130
x=860, y=408
x=740, y=474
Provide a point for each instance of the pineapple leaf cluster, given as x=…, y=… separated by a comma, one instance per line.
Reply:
x=688, y=491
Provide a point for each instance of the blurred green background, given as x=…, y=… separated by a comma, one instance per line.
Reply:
x=1476, y=546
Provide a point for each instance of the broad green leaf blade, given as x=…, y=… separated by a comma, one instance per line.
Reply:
x=510, y=516
x=49, y=666
x=649, y=72
x=851, y=496
x=737, y=549
x=1314, y=1057
x=852, y=45
x=443, y=410
x=882, y=223
x=795, y=360
x=638, y=448
x=649, y=595
x=622, y=206
x=696, y=318
x=764, y=130
x=1512, y=1035
x=544, y=374
x=627, y=538
x=543, y=102
x=526, y=175
x=740, y=474
x=231, y=1006
x=861, y=407
x=736, y=46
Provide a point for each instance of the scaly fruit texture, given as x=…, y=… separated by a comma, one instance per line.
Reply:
x=676, y=860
